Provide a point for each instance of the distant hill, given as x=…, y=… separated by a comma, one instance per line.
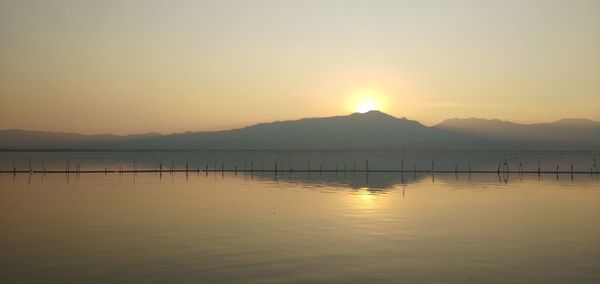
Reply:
x=27, y=139
x=373, y=130
x=356, y=131
x=580, y=130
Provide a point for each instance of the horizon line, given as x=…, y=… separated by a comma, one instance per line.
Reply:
x=291, y=120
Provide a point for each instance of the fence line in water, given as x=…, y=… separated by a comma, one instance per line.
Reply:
x=503, y=168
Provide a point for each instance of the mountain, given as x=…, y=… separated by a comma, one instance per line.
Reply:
x=373, y=130
x=27, y=139
x=580, y=130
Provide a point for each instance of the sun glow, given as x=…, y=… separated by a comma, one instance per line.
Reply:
x=367, y=104
x=366, y=100
x=368, y=198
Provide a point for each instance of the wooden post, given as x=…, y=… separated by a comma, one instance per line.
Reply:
x=402, y=162
x=520, y=168
x=415, y=170
x=571, y=170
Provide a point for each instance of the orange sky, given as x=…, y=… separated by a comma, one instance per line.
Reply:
x=170, y=66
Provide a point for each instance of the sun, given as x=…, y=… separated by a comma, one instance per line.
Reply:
x=366, y=104
x=366, y=99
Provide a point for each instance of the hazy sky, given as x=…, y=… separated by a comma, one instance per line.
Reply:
x=170, y=66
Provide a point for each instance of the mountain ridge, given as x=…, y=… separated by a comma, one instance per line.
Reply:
x=371, y=130
x=567, y=129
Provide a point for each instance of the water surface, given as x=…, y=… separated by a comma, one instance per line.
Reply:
x=343, y=227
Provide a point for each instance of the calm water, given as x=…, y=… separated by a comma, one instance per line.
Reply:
x=342, y=228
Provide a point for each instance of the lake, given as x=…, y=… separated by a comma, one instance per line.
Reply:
x=344, y=227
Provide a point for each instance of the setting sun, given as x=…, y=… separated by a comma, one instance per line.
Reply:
x=366, y=100
x=366, y=104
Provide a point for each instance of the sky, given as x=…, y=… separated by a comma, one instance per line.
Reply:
x=170, y=66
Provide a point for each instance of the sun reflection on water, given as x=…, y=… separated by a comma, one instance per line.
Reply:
x=367, y=198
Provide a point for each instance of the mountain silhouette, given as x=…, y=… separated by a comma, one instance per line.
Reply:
x=582, y=130
x=373, y=130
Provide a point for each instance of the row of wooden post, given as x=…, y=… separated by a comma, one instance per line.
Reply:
x=503, y=167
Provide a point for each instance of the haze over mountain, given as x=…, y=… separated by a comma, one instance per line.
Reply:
x=583, y=130
x=373, y=130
